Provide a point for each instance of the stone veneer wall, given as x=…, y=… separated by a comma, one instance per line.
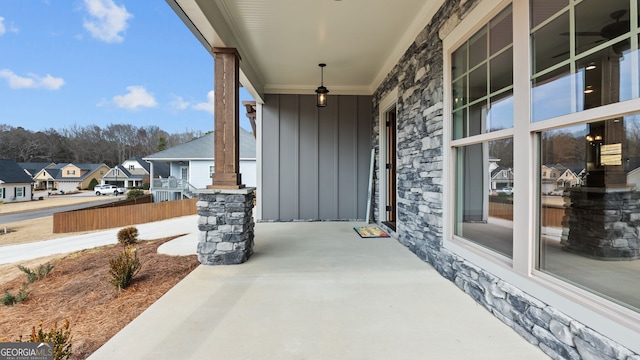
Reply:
x=419, y=76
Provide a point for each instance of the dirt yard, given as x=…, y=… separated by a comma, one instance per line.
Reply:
x=77, y=288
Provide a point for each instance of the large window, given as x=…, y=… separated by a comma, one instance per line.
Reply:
x=545, y=144
x=482, y=103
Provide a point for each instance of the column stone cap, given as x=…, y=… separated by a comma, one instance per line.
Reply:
x=243, y=191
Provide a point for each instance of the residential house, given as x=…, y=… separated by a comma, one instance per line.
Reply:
x=548, y=179
x=429, y=86
x=69, y=177
x=134, y=173
x=568, y=179
x=192, y=163
x=33, y=168
x=501, y=177
x=15, y=184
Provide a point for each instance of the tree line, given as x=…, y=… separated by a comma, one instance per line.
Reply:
x=111, y=145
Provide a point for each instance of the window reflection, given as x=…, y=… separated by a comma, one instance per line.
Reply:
x=590, y=207
x=482, y=79
x=601, y=69
x=551, y=95
x=484, y=190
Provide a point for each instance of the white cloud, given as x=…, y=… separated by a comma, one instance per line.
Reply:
x=4, y=29
x=32, y=81
x=178, y=103
x=208, y=106
x=107, y=21
x=137, y=97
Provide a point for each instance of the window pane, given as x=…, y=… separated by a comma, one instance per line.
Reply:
x=501, y=31
x=477, y=118
x=500, y=114
x=590, y=209
x=459, y=93
x=484, y=195
x=478, y=83
x=550, y=44
x=551, y=95
x=460, y=124
x=478, y=48
x=542, y=10
x=459, y=62
x=502, y=71
x=604, y=78
x=596, y=24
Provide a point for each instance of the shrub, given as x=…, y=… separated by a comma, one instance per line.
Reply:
x=43, y=271
x=134, y=193
x=9, y=299
x=124, y=267
x=92, y=184
x=128, y=235
x=61, y=339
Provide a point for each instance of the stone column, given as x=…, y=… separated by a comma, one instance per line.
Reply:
x=225, y=225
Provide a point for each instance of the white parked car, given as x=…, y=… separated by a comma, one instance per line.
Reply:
x=508, y=190
x=108, y=189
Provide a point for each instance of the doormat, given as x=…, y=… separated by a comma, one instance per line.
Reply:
x=370, y=232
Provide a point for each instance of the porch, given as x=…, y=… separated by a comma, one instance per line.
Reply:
x=316, y=290
x=171, y=189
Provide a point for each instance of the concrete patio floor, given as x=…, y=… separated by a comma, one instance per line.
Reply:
x=318, y=291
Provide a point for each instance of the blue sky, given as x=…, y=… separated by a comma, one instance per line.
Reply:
x=85, y=62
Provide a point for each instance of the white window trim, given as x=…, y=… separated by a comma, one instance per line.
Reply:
x=606, y=317
x=386, y=104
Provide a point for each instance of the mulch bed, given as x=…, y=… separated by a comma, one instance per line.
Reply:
x=78, y=289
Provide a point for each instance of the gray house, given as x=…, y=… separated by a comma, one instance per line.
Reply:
x=191, y=164
x=15, y=184
x=436, y=89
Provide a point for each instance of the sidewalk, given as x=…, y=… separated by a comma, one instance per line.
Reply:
x=318, y=291
x=177, y=226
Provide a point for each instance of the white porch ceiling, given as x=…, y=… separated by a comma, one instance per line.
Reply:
x=281, y=42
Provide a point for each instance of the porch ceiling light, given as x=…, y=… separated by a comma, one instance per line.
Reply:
x=321, y=91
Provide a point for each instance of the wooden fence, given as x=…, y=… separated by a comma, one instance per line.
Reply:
x=551, y=216
x=112, y=217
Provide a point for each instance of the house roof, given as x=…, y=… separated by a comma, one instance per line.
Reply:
x=34, y=167
x=11, y=172
x=145, y=164
x=359, y=40
x=203, y=147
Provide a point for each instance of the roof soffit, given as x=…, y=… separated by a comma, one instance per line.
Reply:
x=281, y=42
